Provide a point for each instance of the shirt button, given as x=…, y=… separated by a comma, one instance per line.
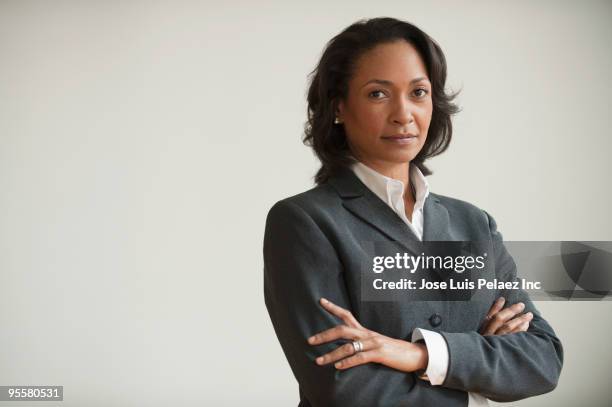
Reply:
x=435, y=320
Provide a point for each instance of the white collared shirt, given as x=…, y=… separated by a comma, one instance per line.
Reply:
x=391, y=192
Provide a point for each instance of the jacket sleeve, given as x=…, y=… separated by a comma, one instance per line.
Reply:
x=506, y=367
x=300, y=267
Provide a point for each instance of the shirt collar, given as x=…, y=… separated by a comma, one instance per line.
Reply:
x=391, y=190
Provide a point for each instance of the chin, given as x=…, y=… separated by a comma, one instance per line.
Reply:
x=402, y=158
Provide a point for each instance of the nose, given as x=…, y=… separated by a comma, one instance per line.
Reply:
x=402, y=112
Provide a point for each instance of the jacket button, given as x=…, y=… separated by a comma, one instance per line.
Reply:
x=435, y=320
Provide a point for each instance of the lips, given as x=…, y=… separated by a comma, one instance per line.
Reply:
x=400, y=139
x=400, y=136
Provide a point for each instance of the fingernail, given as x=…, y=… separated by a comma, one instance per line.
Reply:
x=338, y=364
x=529, y=315
x=319, y=360
x=502, y=299
x=311, y=339
x=324, y=301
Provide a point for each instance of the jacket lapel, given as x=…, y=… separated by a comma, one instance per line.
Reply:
x=363, y=203
x=436, y=222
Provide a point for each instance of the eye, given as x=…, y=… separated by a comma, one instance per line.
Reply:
x=377, y=91
x=423, y=93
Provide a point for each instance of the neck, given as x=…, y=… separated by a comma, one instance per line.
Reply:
x=400, y=172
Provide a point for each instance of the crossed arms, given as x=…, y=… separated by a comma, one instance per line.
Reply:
x=301, y=266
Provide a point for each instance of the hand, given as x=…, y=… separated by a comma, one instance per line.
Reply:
x=395, y=353
x=503, y=321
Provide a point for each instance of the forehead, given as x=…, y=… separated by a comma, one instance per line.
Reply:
x=398, y=62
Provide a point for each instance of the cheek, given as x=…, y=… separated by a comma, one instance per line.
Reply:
x=425, y=117
x=367, y=122
x=371, y=118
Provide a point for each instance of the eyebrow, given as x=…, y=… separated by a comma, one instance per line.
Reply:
x=389, y=83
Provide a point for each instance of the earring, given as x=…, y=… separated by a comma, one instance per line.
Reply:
x=337, y=121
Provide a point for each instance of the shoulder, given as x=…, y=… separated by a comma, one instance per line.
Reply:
x=306, y=219
x=464, y=211
x=458, y=206
x=314, y=203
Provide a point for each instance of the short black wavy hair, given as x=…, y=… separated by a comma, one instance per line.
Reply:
x=329, y=84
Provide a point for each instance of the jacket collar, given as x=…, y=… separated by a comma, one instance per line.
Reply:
x=391, y=190
x=364, y=204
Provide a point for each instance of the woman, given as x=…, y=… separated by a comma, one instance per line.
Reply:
x=377, y=110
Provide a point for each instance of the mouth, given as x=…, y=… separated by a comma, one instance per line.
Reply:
x=400, y=138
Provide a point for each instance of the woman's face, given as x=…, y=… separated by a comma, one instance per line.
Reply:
x=388, y=108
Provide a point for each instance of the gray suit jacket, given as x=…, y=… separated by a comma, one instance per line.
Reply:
x=313, y=249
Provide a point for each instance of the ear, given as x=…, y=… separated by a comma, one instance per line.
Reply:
x=340, y=109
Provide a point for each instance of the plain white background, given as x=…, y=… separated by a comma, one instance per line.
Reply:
x=142, y=144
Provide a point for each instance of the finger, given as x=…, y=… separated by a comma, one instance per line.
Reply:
x=357, y=359
x=513, y=324
x=502, y=317
x=340, y=352
x=485, y=327
x=516, y=324
x=348, y=349
x=497, y=306
x=523, y=328
x=345, y=315
x=337, y=332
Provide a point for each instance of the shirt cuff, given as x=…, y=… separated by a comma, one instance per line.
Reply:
x=437, y=349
